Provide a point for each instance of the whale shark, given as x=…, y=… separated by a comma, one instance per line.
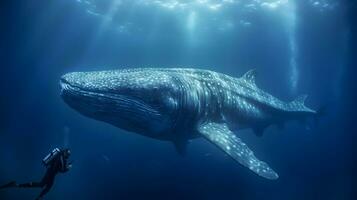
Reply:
x=180, y=104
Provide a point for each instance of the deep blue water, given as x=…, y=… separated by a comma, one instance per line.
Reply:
x=298, y=47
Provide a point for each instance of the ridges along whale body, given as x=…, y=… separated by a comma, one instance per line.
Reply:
x=180, y=104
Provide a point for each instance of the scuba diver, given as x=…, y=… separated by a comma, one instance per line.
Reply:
x=55, y=162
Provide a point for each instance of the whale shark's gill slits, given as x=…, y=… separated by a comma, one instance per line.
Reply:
x=188, y=103
x=182, y=101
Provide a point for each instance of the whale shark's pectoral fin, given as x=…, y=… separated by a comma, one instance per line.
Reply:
x=221, y=136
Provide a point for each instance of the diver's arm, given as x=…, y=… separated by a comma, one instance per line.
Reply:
x=69, y=165
x=65, y=165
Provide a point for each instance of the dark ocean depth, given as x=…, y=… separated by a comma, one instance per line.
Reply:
x=297, y=47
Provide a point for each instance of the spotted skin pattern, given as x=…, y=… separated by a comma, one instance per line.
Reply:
x=221, y=136
x=178, y=104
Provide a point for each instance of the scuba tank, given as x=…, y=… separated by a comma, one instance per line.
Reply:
x=51, y=156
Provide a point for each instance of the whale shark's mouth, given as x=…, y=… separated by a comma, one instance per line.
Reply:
x=94, y=102
x=125, y=111
x=71, y=89
x=67, y=87
x=64, y=86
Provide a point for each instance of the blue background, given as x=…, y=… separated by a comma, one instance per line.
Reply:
x=42, y=40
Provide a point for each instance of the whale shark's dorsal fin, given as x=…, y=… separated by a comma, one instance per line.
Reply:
x=300, y=100
x=221, y=136
x=250, y=76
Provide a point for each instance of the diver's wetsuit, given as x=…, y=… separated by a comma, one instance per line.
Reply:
x=60, y=164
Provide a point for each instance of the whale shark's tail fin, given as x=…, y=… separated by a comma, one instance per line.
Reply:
x=300, y=100
x=299, y=103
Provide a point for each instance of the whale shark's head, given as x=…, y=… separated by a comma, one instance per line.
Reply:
x=141, y=101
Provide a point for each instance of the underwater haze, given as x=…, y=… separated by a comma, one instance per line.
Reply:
x=296, y=46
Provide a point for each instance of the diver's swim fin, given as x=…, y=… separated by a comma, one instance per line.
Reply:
x=9, y=185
